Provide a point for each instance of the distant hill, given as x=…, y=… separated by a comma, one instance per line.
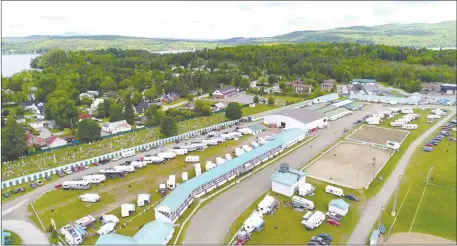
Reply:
x=442, y=34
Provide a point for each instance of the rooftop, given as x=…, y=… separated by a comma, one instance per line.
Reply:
x=342, y=103
x=326, y=98
x=255, y=127
x=287, y=178
x=326, y=109
x=364, y=80
x=339, y=203
x=336, y=111
x=303, y=115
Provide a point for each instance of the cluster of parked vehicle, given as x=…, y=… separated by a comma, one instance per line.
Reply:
x=321, y=239
x=22, y=189
x=428, y=147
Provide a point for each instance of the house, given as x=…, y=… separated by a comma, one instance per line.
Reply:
x=116, y=127
x=84, y=116
x=19, y=119
x=224, y=93
x=217, y=107
x=170, y=97
x=142, y=106
x=299, y=87
x=94, y=106
x=83, y=95
x=253, y=84
x=30, y=106
x=327, y=84
x=286, y=180
x=53, y=141
x=32, y=139
x=338, y=206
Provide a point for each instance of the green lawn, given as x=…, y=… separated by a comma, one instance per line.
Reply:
x=289, y=229
x=259, y=108
x=437, y=211
x=16, y=239
x=176, y=101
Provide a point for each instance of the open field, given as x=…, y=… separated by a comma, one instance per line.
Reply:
x=350, y=164
x=43, y=161
x=289, y=230
x=259, y=108
x=378, y=135
x=428, y=209
x=417, y=238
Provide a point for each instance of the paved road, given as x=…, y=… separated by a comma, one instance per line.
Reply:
x=28, y=232
x=372, y=210
x=217, y=216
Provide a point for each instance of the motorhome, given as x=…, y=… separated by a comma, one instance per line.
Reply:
x=85, y=221
x=253, y=223
x=210, y=142
x=153, y=159
x=76, y=185
x=167, y=155
x=228, y=157
x=192, y=159
x=246, y=148
x=95, y=178
x=127, y=209
x=127, y=153
x=409, y=126
x=138, y=164
x=334, y=190
x=88, y=197
x=143, y=199
x=108, y=219
x=314, y=221
x=171, y=182
x=180, y=151
x=306, y=189
x=185, y=176
x=267, y=205
x=106, y=229
x=209, y=165
x=126, y=169
x=300, y=202
x=112, y=173
x=71, y=235
x=220, y=161
x=198, y=169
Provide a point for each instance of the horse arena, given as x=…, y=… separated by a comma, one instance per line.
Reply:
x=349, y=164
x=378, y=135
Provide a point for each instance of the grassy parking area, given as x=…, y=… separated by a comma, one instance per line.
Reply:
x=289, y=229
x=60, y=204
x=428, y=209
x=259, y=108
x=39, y=162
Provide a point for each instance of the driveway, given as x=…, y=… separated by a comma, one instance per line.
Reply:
x=44, y=132
x=222, y=212
x=372, y=209
x=28, y=232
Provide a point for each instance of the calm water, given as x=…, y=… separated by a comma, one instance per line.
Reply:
x=12, y=64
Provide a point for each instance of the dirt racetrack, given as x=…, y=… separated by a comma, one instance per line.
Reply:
x=378, y=135
x=416, y=238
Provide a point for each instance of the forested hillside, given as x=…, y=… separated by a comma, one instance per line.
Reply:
x=441, y=34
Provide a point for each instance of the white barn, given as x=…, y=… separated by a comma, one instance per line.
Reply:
x=297, y=118
x=115, y=127
x=286, y=181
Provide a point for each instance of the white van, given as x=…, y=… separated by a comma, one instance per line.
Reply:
x=88, y=197
x=75, y=185
x=334, y=190
x=409, y=126
x=192, y=159
x=95, y=178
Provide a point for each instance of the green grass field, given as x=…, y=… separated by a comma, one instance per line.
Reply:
x=289, y=229
x=437, y=213
x=259, y=108
x=176, y=101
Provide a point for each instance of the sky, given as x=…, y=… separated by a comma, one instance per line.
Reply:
x=210, y=20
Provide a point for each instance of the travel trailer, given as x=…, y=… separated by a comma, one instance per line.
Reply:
x=306, y=189
x=94, y=179
x=127, y=169
x=300, y=202
x=334, y=190
x=314, y=221
x=210, y=142
x=76, y=185
x=153, y=159
x=239, y=152
x=267, y=205
x=88, y=197
x=392, y=145
x=109, y=219
x=198, y=169
x=220, y=161
x=143, y=199
x=138, y=164
x=246, y=148
x=171, y=182
x=106, y=229
x=185, y=176
x=192, y=159
x=209, y=165
x=85, y=221
x=71, y=235
x=167, y=155
x=180, y=151
x=433, y=116
x=409, y=126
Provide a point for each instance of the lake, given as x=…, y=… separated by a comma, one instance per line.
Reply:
x=12, y=64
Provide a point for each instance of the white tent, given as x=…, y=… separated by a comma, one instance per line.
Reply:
x=127, y=209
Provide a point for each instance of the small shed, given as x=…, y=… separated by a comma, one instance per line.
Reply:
x=255, y=129
x=127, y=209
x=338, y=206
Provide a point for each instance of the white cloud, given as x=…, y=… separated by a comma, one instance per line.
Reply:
x=210, y=20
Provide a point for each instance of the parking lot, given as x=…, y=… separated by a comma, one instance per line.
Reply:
x=378, y=135
x=349, y=164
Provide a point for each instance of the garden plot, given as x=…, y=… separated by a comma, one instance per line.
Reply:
x=378, y=135
x=349, y=164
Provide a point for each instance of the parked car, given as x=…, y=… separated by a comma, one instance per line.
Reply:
x=433, y=142
x=351, y=198
x=47, y=178
x=333, y=222
x=452, y=139
x=15, y=191
x=186, y=138
x=39, y=182
x=33, y=185
x=96, y=163
x=68, y=171
x=177, y=141
x=74, y=169
x=428, y=145
x=81, y=168
x=325, y=236
x=61, y=174
x=427, y=149
x=6, y=194
x=21, y=189
x=319, y=240
x=334, y=216
x=57, y=186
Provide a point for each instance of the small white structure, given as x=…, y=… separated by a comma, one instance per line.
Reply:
x=127, y=209
x=109, y=219
x=392, y=145
x=306, y=189
x=143, y=199
x=334, y=190
x=106, y=229
x=338, y=206
x=228, y=157
x=239, y=152
x=85, y=221
x=314, y=221
x=95, y=178
x=184, y=176
x=220, y=161
x=171, y=182
x=88, y=197
x=267, y=205
x=209, y=165
x=246, y=148
x=94, y=106
x=254, y=144
x=198, y=169
x=286, y=180
x=138, y=164
x=116, y=127
x=192, y=159
x=409, y=126
x=301, y=202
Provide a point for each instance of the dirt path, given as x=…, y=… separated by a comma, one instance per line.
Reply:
x=416, y=238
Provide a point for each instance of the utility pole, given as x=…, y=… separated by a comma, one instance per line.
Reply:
x=394, y=208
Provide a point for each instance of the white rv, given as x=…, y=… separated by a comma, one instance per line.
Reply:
x=153, y=159
x=409, y=126
x=185, y=176
x=227, y=136
x=76, y=185
x=254, y=144
x=138, y=164
x=88, y=197
x=85, y=221
x=127, y=169
x=210, y=142
x=228, y=157
x=306, y=189
x=180, y=151
x=209, y=165
x=171, y=182
x=396, y=124
x=219, y=139
x=301, y=202
x=334, y=190
x=72, y=236
x=220, y=161
x=106, y=229
x=239, y=152
x=267, y=205
x=246, y=148
x=407, y=111
x=189, y=148
x=314, y=221
x=109, y=219
x=167, y=155
x=392, y=145
x=94, y=179
x=143, y=199
x=127, y=209
x=192, y=158
x=127, y=153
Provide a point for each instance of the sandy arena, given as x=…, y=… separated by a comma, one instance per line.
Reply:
x=349, y=164
x=417, y=238
x=378, y=135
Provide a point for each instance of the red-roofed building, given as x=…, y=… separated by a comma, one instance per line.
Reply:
x=53, y=141
x=32, y=139
x=85, y=116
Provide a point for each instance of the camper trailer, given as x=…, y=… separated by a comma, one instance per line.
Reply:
x=72, y=236
x=228, y=157
x=209, y=165
x=127, y=209
x=409, y=126
x=108, y=219
x=236, y=134
x=198, y=169
x=185, y=176
x=220, y=161
x=253, y=223
x=138, y=164
x=153, y=159
x=171, y=182
x=85, y=221
x=246, y=148
x=392, y=145
x=314, y=221
x=143, y=199
x=407, y=111
x=89, y=197
x=396, y=124
x=300, y=202
x=180, y=151
x=227, y=136
x=112, y=173
x=239, y=152
x=127, y=153
x=334, y=190
x=192, y=159
x=210, y=142
x=167, y=155
x=268, y=205
x=189, y=148
x=126, y=169
x=219, y=139
x=76, y=185
x=254, y=144
x=306, y=189
x=106, y=229
x=94, y=179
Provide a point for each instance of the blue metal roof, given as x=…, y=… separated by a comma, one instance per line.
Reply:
x=176, y=198
x=342, y=103
x=326, y=98
x=154, y=232
x=287, y=178
x=363, y=80
x=339, y=203
x=255, y=127
x=402, y=100
x=374, y=235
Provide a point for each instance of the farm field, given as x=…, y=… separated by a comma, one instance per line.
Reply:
x=289, y=229
x=43, y=161
x=259, y=108
x=378, y=135
x=427, y=209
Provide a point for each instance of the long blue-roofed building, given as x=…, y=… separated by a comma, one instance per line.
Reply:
x=175, y=203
